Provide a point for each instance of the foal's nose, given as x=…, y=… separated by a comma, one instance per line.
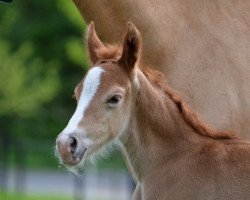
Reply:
x=67, y=149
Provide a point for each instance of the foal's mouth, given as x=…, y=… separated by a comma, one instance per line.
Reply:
x=70, y=157
x=78, y=156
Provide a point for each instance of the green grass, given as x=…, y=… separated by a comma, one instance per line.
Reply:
x=4, y=196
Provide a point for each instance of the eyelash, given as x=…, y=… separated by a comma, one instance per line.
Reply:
x=104, y=61
x=114, y=100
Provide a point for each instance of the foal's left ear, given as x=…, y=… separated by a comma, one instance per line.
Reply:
x=131, y=48
x=93, y=43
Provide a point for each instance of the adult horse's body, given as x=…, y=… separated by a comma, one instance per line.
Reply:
x=170, y=151
x=203, y=47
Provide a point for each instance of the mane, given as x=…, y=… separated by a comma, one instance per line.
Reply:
x=159, y=80
x=109, y=52
x=191, y=117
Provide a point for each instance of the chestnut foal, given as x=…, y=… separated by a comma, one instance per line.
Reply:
x=170, y=151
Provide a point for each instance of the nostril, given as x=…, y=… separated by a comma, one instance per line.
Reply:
x=73, y=145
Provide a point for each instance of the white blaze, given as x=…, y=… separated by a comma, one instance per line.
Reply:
x=89, y=89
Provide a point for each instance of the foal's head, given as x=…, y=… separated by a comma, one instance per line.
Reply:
x=104, y=99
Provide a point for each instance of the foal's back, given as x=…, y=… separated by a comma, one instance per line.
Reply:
x=214, y=170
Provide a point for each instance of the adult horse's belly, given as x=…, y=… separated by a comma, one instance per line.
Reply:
x=203, y=47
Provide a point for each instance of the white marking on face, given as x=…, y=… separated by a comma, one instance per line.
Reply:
x=89, y=89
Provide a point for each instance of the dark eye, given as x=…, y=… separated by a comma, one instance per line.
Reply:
x=103, y=61
x=114, y=100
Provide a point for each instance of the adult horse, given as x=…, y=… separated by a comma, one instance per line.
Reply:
x=171, y=152
x=202, y=47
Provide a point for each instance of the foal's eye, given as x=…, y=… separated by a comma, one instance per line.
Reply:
x=103, y=61
x=114, y=100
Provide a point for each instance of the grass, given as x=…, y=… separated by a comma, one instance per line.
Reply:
x=5, y=196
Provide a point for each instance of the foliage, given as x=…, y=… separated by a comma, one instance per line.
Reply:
x=23, y=89
x=41, y=52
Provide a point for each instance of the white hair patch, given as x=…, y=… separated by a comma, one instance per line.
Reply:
x=89, y=89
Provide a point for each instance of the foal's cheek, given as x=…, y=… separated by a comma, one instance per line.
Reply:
x=111, y=121
x=121, y=119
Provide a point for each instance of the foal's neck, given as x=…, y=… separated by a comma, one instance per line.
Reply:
x=158, y=131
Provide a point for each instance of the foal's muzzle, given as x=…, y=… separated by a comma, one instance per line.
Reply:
x=69, y=149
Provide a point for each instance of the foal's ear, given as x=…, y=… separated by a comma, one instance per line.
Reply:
x=131, y=48
x=93, y=43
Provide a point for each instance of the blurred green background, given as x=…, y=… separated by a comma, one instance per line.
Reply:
x=42, y=58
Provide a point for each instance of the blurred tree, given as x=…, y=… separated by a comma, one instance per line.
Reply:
x=40, y=57
x=23, y=89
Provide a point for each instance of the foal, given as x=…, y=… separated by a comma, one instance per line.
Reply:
x=170, y=152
